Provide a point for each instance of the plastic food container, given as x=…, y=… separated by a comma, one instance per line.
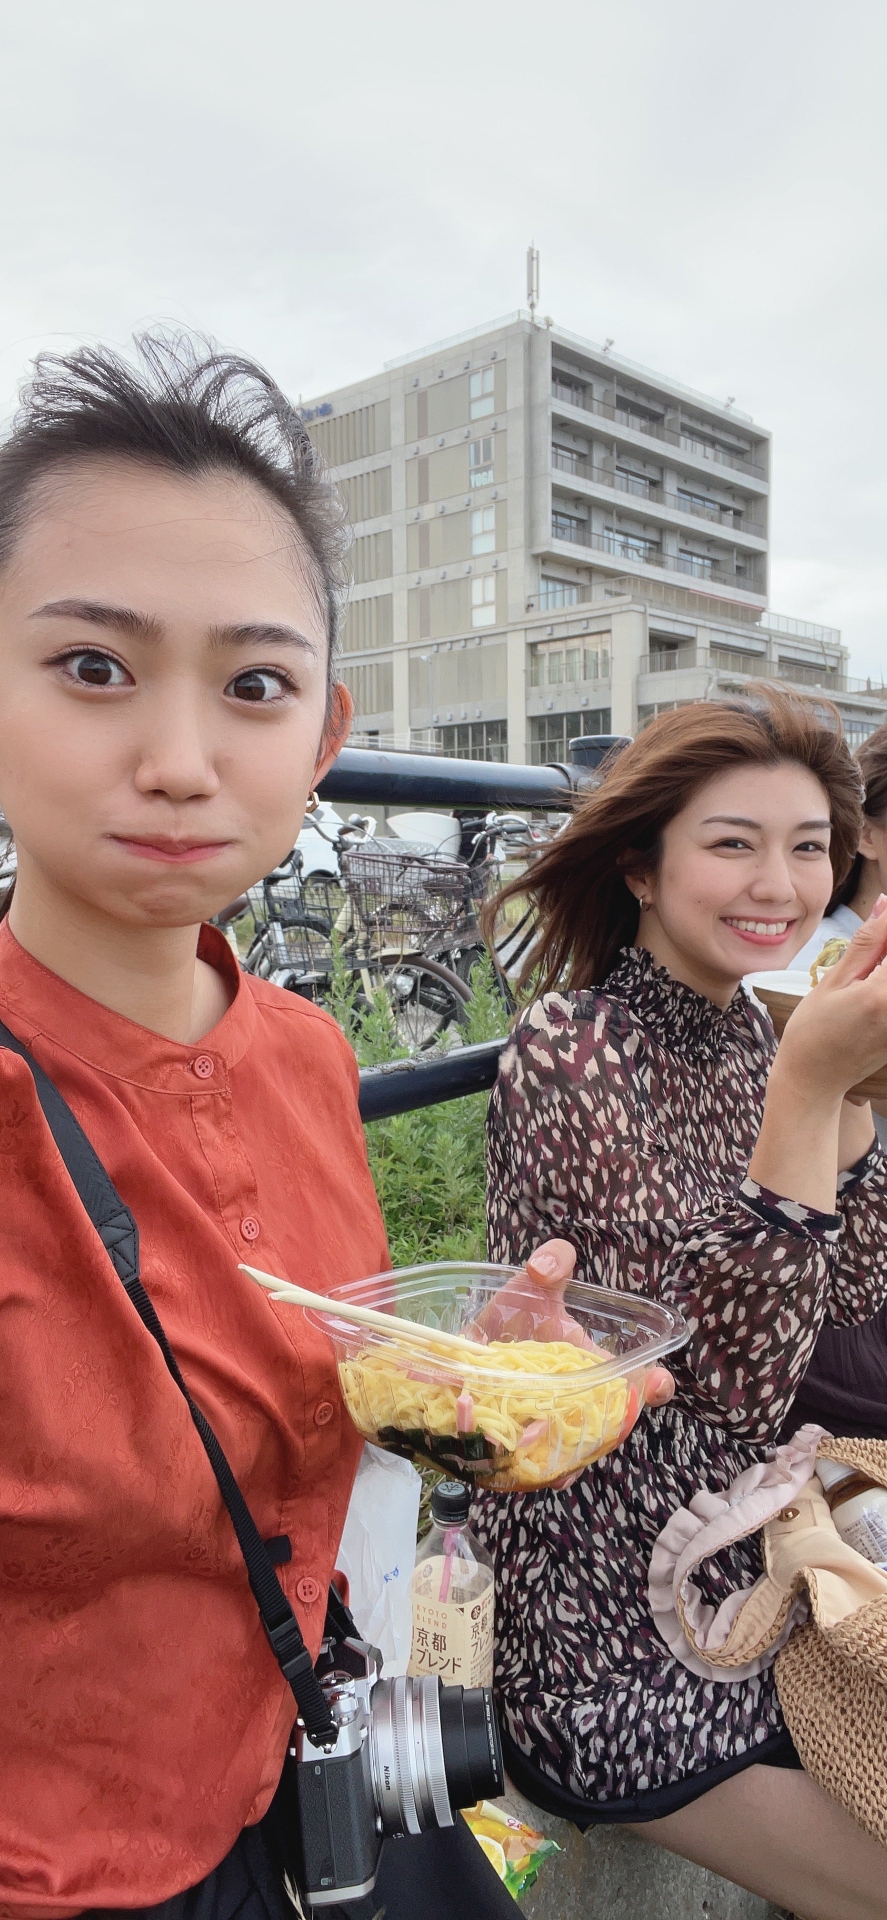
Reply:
x=500, y=1414
x=780, y=994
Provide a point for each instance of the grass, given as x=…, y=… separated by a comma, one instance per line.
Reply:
x=428, y=1166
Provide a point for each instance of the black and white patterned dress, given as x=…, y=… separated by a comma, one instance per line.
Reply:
x=623, y=1120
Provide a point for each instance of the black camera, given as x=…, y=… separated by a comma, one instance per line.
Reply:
x=407, y=1753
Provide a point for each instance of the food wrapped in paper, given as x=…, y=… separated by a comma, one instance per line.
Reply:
x=832, y=952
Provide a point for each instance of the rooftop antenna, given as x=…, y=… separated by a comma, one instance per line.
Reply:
x=532, y=280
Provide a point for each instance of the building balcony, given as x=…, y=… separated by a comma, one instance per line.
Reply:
x=628, y=547
x=655, y=592
x=727, y=662
x=801, y=629
x=729, y=518
x=685, y=440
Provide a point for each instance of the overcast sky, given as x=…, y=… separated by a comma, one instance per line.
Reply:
x=329, y=187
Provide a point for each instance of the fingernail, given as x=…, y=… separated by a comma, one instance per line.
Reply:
x=880, y=906
x=544, y=1263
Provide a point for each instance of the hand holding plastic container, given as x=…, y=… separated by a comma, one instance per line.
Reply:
x=535, y=1387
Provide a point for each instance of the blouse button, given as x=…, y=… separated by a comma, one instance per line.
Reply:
x=307, y=1590
x=203, y=1066
x=323, y=1413
x=250, y=1228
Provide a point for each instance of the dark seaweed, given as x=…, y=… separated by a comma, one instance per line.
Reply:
x=464, y=1454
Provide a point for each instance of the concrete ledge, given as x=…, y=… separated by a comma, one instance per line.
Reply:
x=607, y=1874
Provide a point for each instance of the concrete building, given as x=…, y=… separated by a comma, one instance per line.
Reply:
x=550, y=540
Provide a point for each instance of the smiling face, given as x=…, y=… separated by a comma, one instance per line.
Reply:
x=163, y=692
x=743, y=880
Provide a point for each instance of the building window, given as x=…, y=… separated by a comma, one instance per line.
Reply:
x=483, y=601
x=629, y=409
x=568, y=459
x=557, y=593
x=700, y=565
x=480, y=391
x=371, y=684
x=552, y=666
x=646, y=714
x=633, y=546
x=564, y=387
x=568, y=526
x=551, y=733
x=697, y=441
x=483, y=530
x=856, y=731
x=630, y=482
x=480, y=462
x=478, y=740
x=696, y=502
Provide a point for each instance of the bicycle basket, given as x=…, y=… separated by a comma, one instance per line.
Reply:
x=303, y=943
x=408, y=897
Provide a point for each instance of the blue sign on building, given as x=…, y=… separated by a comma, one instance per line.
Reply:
x=316, y=413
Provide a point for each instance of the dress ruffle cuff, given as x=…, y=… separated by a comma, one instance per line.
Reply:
x=791, y=1216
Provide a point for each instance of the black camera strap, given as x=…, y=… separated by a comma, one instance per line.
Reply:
x=119, y=1235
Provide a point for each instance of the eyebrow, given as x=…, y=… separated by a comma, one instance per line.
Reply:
x=142, y=626
x=737, y=820
x=261, y=633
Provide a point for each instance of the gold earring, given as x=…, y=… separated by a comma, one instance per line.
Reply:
x=313, y=801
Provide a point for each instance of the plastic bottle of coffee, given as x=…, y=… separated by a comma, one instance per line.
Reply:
x=453, y=1596
x=858, y=1507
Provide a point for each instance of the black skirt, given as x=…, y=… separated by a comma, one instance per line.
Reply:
x=777, y=1751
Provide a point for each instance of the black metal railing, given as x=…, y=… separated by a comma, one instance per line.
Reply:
x=402, y=1085
x=367, y=774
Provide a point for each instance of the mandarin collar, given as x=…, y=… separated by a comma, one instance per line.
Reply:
x=683, y=1020
x=36, y=1004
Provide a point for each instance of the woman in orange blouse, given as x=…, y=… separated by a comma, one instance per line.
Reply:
x=171, y=566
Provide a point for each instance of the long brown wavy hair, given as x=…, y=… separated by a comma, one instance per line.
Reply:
x=871, y=758
x=585, y=911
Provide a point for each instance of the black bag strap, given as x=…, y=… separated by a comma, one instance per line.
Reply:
x=119, y=1235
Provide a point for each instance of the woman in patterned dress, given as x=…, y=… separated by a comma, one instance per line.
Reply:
x=636, y=1121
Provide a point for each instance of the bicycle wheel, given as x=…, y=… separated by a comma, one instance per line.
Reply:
x=426, y=999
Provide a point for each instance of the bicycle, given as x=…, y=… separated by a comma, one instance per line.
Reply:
x=295, y=938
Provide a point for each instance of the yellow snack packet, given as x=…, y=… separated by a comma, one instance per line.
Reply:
x=514, y=1849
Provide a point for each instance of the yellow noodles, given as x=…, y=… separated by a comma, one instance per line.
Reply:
x=506, y=1436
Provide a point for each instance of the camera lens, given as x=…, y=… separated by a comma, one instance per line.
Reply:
x=431, y=1749
x=472, y=1750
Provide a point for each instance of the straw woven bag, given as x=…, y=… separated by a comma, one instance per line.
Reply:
x=832, y=1683
x=819, y=1609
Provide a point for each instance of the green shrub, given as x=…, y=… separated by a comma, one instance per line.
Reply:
x=428, y=1165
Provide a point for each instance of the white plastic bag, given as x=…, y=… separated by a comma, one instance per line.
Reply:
x=378, y=1552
